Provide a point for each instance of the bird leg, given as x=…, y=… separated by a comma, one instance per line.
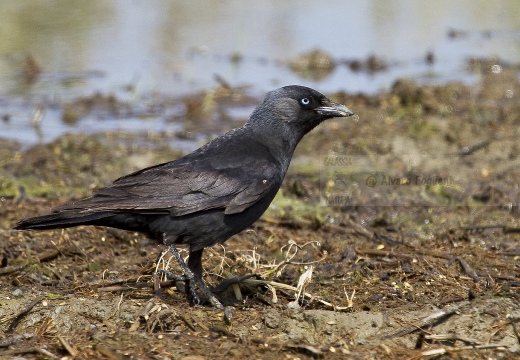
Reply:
x=189, y=278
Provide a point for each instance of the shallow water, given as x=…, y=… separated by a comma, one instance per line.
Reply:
x=136, y=48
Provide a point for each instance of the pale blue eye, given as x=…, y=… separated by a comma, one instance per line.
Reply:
x=305, y=101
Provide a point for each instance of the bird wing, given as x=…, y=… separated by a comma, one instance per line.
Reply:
x=179, y=191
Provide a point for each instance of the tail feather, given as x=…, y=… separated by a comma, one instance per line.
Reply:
x=60, y=220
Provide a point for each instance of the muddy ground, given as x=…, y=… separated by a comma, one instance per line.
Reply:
x=407, y=217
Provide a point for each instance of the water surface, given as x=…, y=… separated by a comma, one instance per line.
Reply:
x=137, y=48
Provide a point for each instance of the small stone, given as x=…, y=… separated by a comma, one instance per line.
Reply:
x=272, y=319
x=17, y=293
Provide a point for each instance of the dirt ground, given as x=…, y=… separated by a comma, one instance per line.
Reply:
x=406, y=217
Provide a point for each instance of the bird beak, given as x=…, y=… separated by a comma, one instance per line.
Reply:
x=332, y=109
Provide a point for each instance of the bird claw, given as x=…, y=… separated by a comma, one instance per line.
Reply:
x=171, y=276
x=189, y=290
x=234, y=280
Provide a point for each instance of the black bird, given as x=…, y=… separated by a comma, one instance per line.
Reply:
x=207, y=196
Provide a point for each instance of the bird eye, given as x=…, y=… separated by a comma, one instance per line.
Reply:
x=305, y=101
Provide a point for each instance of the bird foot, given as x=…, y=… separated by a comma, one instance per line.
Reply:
x=234, y=280
x=189, y=290
x=190, y=280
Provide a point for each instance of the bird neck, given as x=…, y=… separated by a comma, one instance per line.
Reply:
x=278, y=140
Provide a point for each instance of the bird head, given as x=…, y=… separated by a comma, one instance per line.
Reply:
x=296, y=110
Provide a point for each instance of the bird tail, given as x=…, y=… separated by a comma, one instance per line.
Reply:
x=60, y=220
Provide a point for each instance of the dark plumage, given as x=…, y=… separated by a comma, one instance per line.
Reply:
x=213, y=193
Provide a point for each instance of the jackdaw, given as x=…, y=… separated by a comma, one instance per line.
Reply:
x=205, y=197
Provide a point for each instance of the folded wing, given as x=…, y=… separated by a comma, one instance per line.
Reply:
x=178, y=191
